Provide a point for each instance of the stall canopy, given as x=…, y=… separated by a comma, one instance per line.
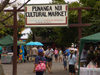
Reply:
x=8, y=41
x=91, y=38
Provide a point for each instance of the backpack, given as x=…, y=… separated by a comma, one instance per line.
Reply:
x=41, y=66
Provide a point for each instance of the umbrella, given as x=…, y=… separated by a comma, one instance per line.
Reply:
x=30, y=43
x=34, y=44
x=38, y=43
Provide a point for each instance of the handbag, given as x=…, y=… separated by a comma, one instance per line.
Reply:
x=41, y=66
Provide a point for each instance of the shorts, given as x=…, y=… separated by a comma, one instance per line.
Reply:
x=33, y=55
x=48, y=59
x=56, y=56
x=72, y=68
x=60, y=56
x=39, y=73
x=65, y=63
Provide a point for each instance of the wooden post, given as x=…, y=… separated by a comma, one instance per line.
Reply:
x=80, y=24
x=15, y=42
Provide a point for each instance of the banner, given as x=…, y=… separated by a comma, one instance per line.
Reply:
x=46, y=15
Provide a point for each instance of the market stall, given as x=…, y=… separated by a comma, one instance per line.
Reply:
x=7, y=52
x=89, y=71
x=92, y=38
x=6, y=41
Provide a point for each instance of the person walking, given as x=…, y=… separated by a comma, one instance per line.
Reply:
x=56, y=54
x=65, y=61
x=72, y=62
x=65, y=57
x=60, y=55
x=40, y=63
x=49, y=55
x=34, y=52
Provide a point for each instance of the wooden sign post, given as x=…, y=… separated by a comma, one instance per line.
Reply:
x=80, y=24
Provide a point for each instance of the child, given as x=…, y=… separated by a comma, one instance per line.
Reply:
x=60, y=55
x=40, y=59
x=72, y=62
x=65, y=61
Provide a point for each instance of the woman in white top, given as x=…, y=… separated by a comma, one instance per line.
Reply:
x=72, y=62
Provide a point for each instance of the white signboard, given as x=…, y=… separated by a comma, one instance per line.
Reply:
x=46, y=15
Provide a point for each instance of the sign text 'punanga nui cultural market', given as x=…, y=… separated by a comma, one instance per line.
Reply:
x=46, y=15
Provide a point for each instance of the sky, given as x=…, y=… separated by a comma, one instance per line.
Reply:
x=42, y=1
x=34, y=2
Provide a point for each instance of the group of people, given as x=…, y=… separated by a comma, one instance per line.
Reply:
x=44, y=58
x=70, y=60
x=90, y=55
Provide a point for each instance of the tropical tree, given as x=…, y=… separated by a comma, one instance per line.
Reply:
x=3, y=15
x=3, y=29
x=92, y=17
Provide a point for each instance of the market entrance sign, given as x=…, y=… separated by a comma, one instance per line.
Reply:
x=46, y=15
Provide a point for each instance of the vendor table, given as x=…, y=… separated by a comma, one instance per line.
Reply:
x=5, y=58
x=89, y=71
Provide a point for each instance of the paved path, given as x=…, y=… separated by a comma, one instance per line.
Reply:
x=1, y=70
x=27, y=69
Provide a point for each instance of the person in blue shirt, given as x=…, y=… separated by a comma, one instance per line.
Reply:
x=40, y=57
x=67, y=51
x=65, y=56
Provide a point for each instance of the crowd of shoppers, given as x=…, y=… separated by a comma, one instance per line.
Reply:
x=67, y=56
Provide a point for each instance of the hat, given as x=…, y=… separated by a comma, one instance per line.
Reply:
x=40, y=50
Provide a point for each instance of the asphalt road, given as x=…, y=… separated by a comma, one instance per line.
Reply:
x=27, y=69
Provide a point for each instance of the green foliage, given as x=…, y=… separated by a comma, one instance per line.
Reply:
x=88, y=2
x=58, y=1
x=73, y=14
x=5, y=30
x=65, y=36
x=92, y=16
x=21, y=22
